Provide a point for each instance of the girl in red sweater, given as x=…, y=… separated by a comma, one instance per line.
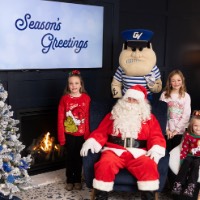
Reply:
x=187, y=177
x=73, y=126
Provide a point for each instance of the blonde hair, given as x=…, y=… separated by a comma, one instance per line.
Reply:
x=75, y=73
x=190, y=127
x=168, y=87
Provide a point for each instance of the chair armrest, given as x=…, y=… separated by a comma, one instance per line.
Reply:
x=88, y=167
x=159, y=109
x=163, y=167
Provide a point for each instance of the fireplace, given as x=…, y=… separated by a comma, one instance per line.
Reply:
x=38, y=132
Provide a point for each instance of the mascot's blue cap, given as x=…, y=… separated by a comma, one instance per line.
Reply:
x=137, y=35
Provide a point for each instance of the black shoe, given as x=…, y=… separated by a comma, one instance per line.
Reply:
x=101, y=195
x=189, y=191
x=147, y=195
x=177, y=188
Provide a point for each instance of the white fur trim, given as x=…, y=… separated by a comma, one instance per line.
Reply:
x=136, y=152
x=104, y=186
x=148, y=185
x=136, y=94
x=174, y=160
x=118, y=152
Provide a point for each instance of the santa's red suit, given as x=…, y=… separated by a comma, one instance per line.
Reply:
x=131, y=138
x=136, y=160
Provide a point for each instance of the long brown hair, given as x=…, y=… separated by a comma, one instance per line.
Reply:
x=75, y=73
x=168, y=87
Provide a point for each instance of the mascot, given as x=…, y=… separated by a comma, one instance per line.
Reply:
x=137, y=64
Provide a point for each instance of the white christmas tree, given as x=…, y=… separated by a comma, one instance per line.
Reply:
x=13, y=167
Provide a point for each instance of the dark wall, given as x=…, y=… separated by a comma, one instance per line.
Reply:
x=43, y=88
x=176, y=38
x=176, y=42
x=32, y=91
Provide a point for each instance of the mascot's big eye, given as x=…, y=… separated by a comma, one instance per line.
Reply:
x=141, y=48
x=134, y=49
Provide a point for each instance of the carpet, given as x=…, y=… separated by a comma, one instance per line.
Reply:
x=51, y=186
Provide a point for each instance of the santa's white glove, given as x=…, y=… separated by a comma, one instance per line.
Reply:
x=154, y=155
x=91, y=144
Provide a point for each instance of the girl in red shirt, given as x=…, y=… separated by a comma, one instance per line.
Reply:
x=73, y=126
x=187, y=177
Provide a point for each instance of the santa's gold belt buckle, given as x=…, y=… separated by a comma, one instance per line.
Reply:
x=129, y=142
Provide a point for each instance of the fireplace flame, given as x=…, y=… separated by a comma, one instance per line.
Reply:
x=56, y=147
x=45, y=148
x=46, y=143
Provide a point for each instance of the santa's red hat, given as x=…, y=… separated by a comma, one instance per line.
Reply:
x=137, y=92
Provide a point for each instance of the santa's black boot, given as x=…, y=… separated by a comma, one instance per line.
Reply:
x=147, y=195
x=101, y=195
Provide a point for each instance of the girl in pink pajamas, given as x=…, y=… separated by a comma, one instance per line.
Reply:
x=179, y=108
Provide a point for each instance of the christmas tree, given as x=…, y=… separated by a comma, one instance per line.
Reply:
x=13, y=167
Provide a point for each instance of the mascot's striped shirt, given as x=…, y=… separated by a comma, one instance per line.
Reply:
x=128, y=81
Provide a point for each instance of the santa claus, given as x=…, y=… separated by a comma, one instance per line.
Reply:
x=129, y=137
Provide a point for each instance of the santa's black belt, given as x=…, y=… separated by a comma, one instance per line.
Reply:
x=127, y=142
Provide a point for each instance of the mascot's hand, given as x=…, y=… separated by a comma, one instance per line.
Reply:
x=91, y=144
x=157, y=87
x=153, y=155
x=150, y=81
x=116, y=88
x=116, y=92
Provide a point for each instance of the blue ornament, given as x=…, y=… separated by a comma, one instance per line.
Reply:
x=24, y=166
x=12, y=156
x=6, y=167
x=10, y=179
x=1, y=148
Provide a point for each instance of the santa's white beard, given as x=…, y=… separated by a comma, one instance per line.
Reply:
x=128, y=117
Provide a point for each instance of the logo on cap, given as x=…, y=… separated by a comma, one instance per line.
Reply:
x=137, y=35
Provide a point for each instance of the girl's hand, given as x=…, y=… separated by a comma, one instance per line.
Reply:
x=175, y=132
x=170, y=134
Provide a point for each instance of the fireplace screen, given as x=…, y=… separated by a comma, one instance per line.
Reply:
x=38, y=130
